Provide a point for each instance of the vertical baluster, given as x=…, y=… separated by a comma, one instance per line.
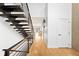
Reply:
x=28, y=46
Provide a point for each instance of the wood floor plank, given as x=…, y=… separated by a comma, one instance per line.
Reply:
x=39, y=48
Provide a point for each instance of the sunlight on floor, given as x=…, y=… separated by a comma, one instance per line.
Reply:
x=37, y=37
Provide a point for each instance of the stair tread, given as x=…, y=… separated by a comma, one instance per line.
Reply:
x=19, y=24
x=9, y=8
x=17, y=21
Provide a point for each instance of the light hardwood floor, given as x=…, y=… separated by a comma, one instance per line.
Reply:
x=39, y=49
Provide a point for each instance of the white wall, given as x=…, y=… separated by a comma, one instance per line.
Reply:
x=37, y=9
x=8, y=36
x=59, y=25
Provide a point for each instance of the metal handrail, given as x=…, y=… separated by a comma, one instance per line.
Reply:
x=19, y=42
x=30, y=21
x=10, y=49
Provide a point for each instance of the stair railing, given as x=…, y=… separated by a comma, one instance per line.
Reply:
x=19, y=49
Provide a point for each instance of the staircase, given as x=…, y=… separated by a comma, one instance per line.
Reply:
x=18, y=16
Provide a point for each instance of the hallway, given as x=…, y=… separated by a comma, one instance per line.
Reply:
x=39, y=49
x=54, y=28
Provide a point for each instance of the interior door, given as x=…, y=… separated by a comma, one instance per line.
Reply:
x=63, y=33
x=59, y=25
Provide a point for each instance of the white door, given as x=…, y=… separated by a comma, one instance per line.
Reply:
x=63, y=33
x=59, y=25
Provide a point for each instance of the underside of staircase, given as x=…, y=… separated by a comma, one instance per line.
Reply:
x=18, y=15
